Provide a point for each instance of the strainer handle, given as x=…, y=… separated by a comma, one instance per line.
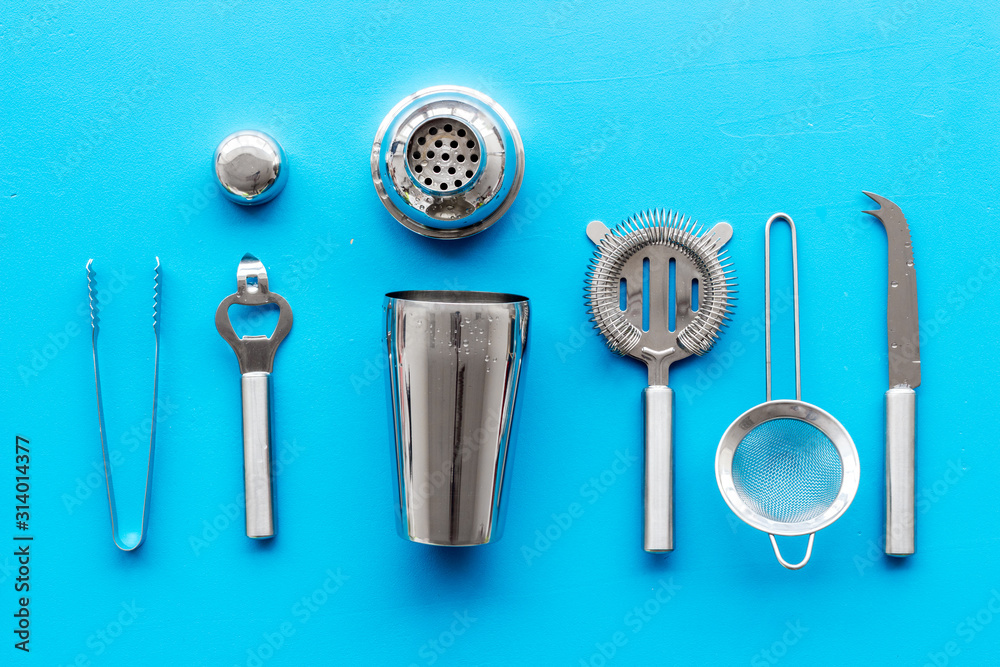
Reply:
x=796, y=566
x=658, y=488
x=767, y=302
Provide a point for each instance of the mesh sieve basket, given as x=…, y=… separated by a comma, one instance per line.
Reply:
x=786, y=467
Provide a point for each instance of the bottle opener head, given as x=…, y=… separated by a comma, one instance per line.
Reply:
x=255, y=353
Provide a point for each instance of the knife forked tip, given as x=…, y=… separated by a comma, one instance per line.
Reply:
x=886, y=205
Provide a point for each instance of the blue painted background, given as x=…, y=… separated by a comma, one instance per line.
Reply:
x=724, y=110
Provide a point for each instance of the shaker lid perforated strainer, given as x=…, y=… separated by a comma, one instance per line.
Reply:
x=447, y=162
x=786, y=467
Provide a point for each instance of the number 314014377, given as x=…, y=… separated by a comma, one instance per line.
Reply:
x=22, y=460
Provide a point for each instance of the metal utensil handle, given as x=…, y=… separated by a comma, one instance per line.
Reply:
x=767, y=301
x=900, y=470
x=658, y=490
x=257, y=454
x=801, y=563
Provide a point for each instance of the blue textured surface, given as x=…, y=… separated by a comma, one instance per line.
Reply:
x=729, y=110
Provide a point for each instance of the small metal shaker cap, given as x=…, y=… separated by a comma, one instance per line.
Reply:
x=251, y=167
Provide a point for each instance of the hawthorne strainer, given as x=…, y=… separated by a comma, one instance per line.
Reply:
x=786, y=467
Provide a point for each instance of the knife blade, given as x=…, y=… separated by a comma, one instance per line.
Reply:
x=903, y=328
x=901, y=305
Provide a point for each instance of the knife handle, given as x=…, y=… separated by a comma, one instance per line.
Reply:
x=900, y=471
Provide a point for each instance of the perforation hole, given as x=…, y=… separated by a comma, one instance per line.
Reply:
x=455, y=138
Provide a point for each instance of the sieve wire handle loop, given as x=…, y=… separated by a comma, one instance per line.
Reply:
x=767, y=309
x=800, y=564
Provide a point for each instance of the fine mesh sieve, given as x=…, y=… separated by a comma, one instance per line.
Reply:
x=787, y=470
x=786, y=467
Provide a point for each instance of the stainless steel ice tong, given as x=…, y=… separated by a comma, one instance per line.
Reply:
x=130, y=536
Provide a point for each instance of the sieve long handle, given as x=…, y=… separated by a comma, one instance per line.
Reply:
x=658, y=489
x=900, y=470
